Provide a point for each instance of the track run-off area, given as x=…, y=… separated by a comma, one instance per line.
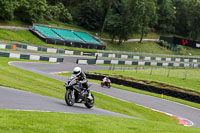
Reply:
x=24, y=100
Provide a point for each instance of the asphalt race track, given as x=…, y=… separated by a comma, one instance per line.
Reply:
x=47, y=69
x=22, y=100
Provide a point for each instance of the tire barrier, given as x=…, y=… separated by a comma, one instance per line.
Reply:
x=30, y=57
x=137, y=63
x=149, y=88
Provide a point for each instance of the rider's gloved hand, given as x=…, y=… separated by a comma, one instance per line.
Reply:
x=78, y=82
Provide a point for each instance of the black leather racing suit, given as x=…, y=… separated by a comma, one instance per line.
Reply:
x=83, y=80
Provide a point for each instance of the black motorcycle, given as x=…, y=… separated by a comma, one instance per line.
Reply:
x=75, y=93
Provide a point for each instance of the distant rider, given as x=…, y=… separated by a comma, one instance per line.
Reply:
x=106, y=80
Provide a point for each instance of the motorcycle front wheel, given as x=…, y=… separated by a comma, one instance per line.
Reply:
x=90, y=102
x=102, y=84
x=108, y=86
x=69, y=98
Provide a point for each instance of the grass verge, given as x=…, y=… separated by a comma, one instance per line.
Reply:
x=40, y=122
x=174, y=77
x=149, y=47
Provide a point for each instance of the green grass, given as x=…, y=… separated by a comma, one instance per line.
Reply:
x=24, y=80
x=41, y=122
x=149, y=47
x=176, y=76
x=21, y=36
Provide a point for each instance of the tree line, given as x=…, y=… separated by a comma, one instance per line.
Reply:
x=120, y=18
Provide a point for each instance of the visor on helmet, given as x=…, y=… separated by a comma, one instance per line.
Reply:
x=76, y=72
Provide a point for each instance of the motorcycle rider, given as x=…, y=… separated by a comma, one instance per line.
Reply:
x=79, y=74
x=83, y=80
x=106, y=80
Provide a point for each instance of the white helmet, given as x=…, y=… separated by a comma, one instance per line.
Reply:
x=77, y=71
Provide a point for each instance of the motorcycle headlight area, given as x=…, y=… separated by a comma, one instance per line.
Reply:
x=66, y=83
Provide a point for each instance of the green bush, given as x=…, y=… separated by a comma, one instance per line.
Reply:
x=164, y=44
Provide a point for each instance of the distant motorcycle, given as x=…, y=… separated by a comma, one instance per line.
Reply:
x=76, y=94
x=106, y=83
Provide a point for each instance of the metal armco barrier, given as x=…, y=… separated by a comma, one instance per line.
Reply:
x=172, y=93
